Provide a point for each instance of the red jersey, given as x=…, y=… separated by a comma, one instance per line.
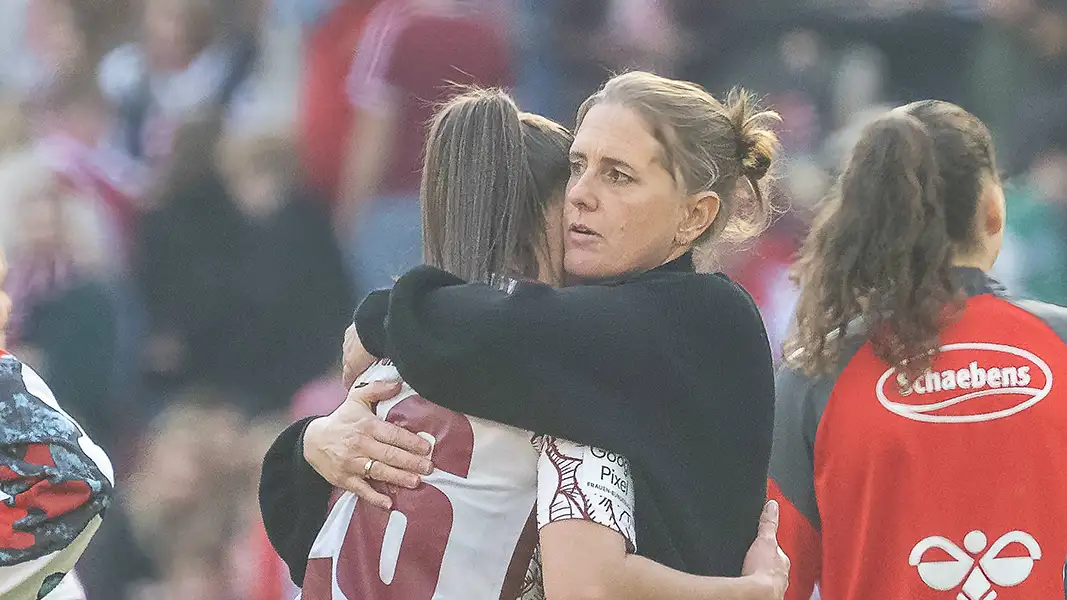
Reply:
x=950, y=488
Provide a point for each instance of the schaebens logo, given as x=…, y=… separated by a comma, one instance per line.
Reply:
x=1010, y=380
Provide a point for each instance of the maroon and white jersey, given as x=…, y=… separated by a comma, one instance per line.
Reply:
x=575, y=481
x=470, y=531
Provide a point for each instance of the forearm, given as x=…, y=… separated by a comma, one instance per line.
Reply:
x=520, y=359
x=639, y=578
x=293, y=499
x=582, y=560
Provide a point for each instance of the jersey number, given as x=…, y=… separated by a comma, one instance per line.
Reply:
x=413, y=571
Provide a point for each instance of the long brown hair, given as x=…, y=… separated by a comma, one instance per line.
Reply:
x=490, y=174
x=879, y=255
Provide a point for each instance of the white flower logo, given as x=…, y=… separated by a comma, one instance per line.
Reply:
x=978, y=575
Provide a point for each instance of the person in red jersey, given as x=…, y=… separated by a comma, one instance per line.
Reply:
x=919, y=434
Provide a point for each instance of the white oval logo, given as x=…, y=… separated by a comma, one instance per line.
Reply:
x=993, y=382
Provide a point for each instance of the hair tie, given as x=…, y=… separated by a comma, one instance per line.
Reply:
x=754, y=164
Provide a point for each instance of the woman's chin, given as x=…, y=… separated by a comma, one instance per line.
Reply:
x=580, y=266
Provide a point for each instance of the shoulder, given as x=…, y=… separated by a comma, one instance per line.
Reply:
x=26, y=400
x=717, y=296
x=30, y=414
x=1054, y=316
x=709, y=285
x=795, y=387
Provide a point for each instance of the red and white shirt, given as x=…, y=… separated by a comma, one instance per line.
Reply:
x=949, y=487
x=469, y=531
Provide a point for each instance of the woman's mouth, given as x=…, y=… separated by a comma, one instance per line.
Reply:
x=579, y=235
x=583, y=230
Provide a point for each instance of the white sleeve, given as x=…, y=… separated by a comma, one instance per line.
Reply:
x=575, y=481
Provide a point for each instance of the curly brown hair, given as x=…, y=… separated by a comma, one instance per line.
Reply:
x=881, y=249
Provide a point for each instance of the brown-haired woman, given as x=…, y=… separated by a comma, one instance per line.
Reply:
x=919, y=440
x=658, y=168
x=492, y=205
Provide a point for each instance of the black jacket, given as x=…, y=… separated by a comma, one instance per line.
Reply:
x=670, y=368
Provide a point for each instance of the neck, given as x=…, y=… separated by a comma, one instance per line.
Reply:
x=981, y=254
x=677, y=252
x=974, y=261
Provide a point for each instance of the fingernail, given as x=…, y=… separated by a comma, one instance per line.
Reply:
x=427, y=468
x=772, y=508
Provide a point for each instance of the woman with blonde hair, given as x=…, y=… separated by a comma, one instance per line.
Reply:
x=657, y=167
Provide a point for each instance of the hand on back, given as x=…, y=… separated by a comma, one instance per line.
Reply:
x=765, y=560
x=352, y=447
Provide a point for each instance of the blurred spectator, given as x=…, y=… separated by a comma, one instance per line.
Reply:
x=242, y=277
x=409, y=58
x=1024, y=47
x=183, y=62
x=259, y=573
x=763, y=270
x=73, y=140
x=186, y=258
x=187, y=498
x=67, y=37
x=64, y=324
x=294, y=296
x=1035, y=254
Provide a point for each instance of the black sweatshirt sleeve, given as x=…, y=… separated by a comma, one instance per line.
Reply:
x=293, y=499
x=574, y=362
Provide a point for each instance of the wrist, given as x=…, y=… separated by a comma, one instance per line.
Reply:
x=308, y=440
x=759, y=586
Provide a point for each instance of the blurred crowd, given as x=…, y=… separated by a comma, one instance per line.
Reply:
x=195, y=193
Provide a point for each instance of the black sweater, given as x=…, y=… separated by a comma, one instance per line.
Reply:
x=670, y=368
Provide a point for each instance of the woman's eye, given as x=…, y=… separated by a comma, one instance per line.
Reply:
x=576, y=167
x=618, y=177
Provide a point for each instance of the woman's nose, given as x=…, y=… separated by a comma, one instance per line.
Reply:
x=580, y=193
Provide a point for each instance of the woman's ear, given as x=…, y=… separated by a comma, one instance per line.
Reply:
x=993, y=206
x=700, y=212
